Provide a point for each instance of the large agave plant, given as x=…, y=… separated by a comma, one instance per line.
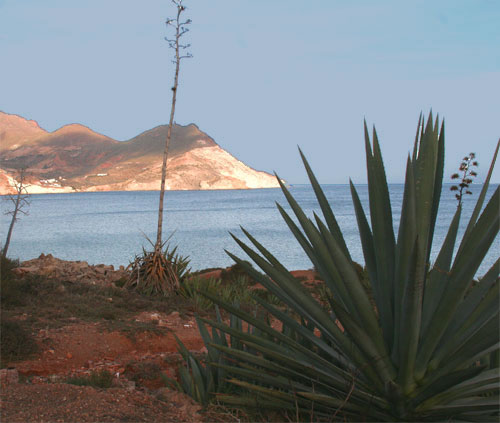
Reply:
x=427, y=350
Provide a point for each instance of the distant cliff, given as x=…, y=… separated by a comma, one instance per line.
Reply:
x=74, y=158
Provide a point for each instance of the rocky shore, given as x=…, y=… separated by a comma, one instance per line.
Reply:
x=71, y=271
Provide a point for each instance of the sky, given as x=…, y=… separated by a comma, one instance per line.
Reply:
x=266, y=75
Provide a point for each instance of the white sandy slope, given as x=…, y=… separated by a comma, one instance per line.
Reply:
x=205, y=168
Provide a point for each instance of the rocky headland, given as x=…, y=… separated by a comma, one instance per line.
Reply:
x=76, y=159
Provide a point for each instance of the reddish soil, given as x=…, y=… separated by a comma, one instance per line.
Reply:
x=80, y=348
x=83, y=347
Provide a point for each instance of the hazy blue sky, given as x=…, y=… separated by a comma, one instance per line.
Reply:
x=267, y=75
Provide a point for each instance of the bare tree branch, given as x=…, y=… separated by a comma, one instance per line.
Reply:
x=20, y=201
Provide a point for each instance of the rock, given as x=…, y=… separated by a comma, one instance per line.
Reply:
x=20, y=271
x=71, y=271
x=9, y=376
x=129, y=385
x=54, y=378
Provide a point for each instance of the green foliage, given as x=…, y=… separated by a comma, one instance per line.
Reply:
x=234, y=290
x=157, y=272
x=237, y=291
x=16, y=343
x=14, y=292
x=412, y=334
x=192, y=288
x=202, y=378
x=98, y=379
x=237, y=271
x=6, y=267
x=142, y=371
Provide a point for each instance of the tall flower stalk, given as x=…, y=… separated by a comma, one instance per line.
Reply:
x=180, y=28
x=162, y=270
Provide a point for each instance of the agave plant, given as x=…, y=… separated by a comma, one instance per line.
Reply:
x=420, y=343
x=160, y=271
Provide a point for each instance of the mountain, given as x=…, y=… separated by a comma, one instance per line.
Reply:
x=74, y=158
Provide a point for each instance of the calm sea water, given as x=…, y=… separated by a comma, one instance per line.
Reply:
x=109, y=227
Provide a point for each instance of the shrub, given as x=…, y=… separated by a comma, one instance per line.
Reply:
x=6, y=267
x=98, y=379
x=192, y=288
x=16, y=343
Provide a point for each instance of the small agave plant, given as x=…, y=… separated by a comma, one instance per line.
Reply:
x=157, y=272
x=426, y=350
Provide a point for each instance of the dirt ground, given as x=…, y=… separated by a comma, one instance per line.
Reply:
x=76, y=347
x=82, y=348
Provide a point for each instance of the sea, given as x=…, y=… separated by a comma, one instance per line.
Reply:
x=113, y=227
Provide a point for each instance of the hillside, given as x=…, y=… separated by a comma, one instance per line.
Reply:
x=74, y=158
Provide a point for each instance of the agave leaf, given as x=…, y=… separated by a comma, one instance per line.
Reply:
x=277, y=382
x=186, y=381
x=473, y=299
x=357, y=293
x=471, y=338
x=207, y=340
x=280, y=398
x=438, y=277
x=340, y=404
x=269, y=393
x=302, y=331
x=199, y=380
x=405, y=244
x=255, y=401
x=487, y=308
x=283, y=367
x=411, y=311
x=418, y=136
x=464, y=406
x=325, y=208
x=316, y=241
x=380, y=362
x=429, y=393
x=480, y=200
x=319, y=361
x=487, y=222
x=325, y=324
x=366, y=241
x=271, y=285
x=462, y=390
x=480, y=239
x=469, y=353
x=383, y=235
x=327, y=269
x=438, y=182
x=426, y=167
x=295, y=291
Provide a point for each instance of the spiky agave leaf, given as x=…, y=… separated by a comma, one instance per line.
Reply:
x=159, y=271
x=416, y=356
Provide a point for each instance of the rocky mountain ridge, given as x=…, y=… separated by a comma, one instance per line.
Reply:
x=76, y=159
